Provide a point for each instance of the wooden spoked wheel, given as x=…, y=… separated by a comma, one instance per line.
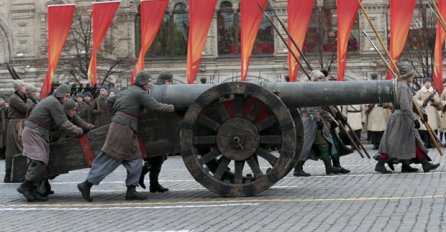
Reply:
x=228, y=138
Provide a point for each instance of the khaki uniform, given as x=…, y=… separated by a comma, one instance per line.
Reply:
x=431, y=107
x=443, y=112
x=101, y=112
x=378, y=116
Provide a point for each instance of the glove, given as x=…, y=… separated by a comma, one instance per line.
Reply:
x=85, y=130
x=333, y=124
x=417, y=124
x=425, y=118
x=320, y=125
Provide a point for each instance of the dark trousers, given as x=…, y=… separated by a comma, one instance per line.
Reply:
x=375, y=137
x=154, y=164
x=426, y=138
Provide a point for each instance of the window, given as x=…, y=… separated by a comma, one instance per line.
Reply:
x=228, y=33
x=172, y=36
x=322, y=31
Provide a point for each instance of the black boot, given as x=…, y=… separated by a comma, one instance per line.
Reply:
x=37, y=196
x=337, y=164
x=7, y=178
x=427, y=166
x=144, y=171
x=407, y=168
x=154, y=184
x=84, y=188
x=132, y=194
x=329, y=169
x=380, y=166
x=26, y=189
x=299, y=169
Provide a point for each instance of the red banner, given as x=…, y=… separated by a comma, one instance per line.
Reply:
x=60, y=18
x=200, y=18
x=250, y=19
x=152, y=14
x=401, y=12
x=347, y=11
x=437, y=76
x=299, y=14
x=102, y=14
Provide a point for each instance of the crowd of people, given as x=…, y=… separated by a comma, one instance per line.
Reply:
x=28, y=125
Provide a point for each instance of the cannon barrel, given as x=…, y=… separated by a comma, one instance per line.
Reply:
x=293, y=94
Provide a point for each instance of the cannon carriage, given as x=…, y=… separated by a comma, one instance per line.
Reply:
x=236, y=139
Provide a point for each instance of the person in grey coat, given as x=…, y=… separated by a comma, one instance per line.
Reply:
x=47, y=114
x=401, y=139
x=317, y=136
x=121, y=143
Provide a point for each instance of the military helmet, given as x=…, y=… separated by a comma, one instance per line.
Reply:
x=62, y=90
x=164, y=77
x=142, y=78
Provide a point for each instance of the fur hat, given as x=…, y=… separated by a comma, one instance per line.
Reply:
x=69, y=105
x=316, y=74
x=30, y=88
x=79, y=95
x=88, y=94
x=163, y=77
x=17, y=84
x=406, y=71
x=62, y=90
x=142, y=78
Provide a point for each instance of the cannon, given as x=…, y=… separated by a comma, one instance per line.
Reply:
x=236, y=138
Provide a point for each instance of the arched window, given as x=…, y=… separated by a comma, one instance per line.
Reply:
x=228, y=23
x=228, y=30
x=172, y=36
x=322, y=31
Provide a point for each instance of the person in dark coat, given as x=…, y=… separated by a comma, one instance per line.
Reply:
x=47, y=114
x=19, y=106
x=401, y=140
x=153, y=164
x=3, y=123
x=121, y=143
x=100, y=109
x=31, y=92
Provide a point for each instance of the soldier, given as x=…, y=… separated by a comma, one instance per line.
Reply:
x=46, y=115
x=19, y=106
x=377, y=117
x=82, y=108
x=442, y=116
x=153, y=164
x=121, y=143
x=355, y=118
x=3, y=123
x=88, y=114
x=401, y=139
x=100, y=110
x=428, y=98
x=317, y=136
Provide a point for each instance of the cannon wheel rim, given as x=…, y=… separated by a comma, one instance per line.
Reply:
x=242, y=185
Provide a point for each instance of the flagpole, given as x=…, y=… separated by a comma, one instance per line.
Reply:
x=437, y=14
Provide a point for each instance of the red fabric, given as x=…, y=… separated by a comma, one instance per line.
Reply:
x=299, y=14
x=384, y=156
x=86, y=148
x=401, y=12
x=250, y=19
x=347, y=11
x=60, y=18
x=200, y=18
x=102, y=16
x=142, y=148
x=152, y=14
x=419, y=153
x=437, y=76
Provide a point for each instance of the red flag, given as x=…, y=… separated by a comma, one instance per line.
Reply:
x=401, y=12
x=60, y=18
x=250, y=19
x=102, y=16
x=152, y=14
x=347, y=11
x=437, y=76
x=200, y=18
x=299, y=14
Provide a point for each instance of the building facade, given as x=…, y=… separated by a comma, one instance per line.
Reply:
x=23, y=43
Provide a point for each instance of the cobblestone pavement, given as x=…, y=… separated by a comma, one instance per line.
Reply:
x=360, y=201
